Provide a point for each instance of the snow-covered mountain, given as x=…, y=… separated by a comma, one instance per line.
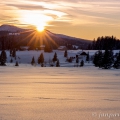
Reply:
x=10, y=28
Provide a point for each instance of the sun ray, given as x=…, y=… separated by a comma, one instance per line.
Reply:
x=24, y=38
x=27, y=37
x=59, y=39
x=47, y=35
x=33, y=38
x=36, y=38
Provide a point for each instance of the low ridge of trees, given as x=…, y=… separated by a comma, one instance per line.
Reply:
x=103, y=43
x=47, y=49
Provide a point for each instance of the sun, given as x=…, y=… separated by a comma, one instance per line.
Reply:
x=40, y=28
x=36, y=19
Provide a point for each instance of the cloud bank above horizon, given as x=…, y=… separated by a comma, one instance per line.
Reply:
x=84, y=14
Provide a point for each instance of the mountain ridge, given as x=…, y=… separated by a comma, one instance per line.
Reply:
x=34, y=38
x=11, y=28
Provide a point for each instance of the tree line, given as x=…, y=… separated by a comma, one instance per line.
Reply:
x=102, y=43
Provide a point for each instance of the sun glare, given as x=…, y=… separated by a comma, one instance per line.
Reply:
x=39, y=20
x=40, y=28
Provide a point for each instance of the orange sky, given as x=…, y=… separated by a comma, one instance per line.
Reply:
x=86, y=19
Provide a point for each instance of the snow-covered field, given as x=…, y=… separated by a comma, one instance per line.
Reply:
x=65, y=93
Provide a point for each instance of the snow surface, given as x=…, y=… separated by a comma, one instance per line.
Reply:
x=65, y=93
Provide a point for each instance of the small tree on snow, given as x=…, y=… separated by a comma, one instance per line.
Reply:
x=16, y=64
x=65, y=53
x=55, y=57
x=3, y=58
x=88, y=57
x=41, y=59
x=57, y=63
x=82, y=63
x=33, y=61
x=77, y=60
x=42, y=65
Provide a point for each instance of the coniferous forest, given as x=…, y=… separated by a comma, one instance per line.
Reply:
x=103, y=43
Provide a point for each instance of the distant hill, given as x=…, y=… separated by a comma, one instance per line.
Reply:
x=10, y=28
x=69, y=37
x=34, y=38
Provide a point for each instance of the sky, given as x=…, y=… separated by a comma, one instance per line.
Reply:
x=86, y=19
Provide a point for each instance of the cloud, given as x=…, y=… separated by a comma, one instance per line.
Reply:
x=76, y=12
x=26, y=7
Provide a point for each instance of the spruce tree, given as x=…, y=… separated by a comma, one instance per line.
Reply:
x=88, y=57
x=33, y=61
x=42, y=65
x=95, y=60
x=16, y=64
x=65, y=53
x=117, y=62
x=77, y=60
x=98, y=59
x=82, y=63
x=107, y=59
x=3, y=58
x=57, y=63
x=41, y=59
x=55, y=57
